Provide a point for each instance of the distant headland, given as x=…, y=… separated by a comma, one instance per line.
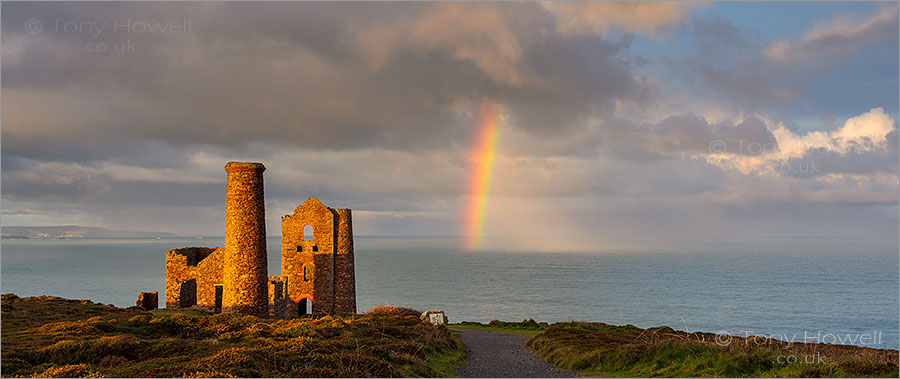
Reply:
x=73, y=231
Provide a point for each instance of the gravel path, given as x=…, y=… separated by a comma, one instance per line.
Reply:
x=495, y=354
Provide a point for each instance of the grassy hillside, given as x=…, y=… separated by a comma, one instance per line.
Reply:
x=627, y=351
x=55, y=337
x=526, y=327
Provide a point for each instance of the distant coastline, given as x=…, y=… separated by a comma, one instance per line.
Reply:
x=73, y=231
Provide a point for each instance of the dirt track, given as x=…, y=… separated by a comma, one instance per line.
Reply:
x=495, y=354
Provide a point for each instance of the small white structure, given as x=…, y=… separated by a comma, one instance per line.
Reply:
x=434, y=317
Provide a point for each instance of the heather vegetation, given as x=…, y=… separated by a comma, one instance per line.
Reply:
x=628, y=351
x=55, y=337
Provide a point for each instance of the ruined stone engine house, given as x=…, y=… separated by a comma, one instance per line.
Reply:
x=317, y=273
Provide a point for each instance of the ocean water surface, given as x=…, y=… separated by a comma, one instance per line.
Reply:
x=836, y=289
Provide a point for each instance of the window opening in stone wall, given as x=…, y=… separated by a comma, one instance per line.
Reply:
x=218, y=307
x=307, y=232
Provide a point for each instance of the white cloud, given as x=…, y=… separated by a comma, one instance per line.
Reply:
x=836, y=37
x=865, y=132
x=856, y=163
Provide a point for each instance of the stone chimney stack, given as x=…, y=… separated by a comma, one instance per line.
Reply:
x=345, y=275
x=245, y=268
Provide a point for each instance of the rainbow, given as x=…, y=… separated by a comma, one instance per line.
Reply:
x=482, y=170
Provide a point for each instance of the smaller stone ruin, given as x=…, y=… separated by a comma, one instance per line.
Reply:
x=148, y=300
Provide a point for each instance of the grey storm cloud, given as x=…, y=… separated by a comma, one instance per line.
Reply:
x=820, y=162
x=293, y=74
x=687, y=134
x=53, y=185
x=67, y=184
x=374, y=106
x=756, y=73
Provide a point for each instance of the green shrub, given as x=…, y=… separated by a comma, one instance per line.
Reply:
x=140, y=320
x=175, y=325
x=293, y=330
x=70, y=327
x=91, y=350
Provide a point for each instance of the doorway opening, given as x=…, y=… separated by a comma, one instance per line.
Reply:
x=304, y=307
x=188, y=293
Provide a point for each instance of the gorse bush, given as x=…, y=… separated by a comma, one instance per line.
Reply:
x=390, y=310
x=69, y=371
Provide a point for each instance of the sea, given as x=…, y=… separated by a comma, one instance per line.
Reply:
x=836, y=290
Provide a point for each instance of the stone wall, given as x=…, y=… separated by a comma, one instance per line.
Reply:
x=320, y=269
x=204, y=264
x=245, y=268
x=277, y=298
x=308, y=265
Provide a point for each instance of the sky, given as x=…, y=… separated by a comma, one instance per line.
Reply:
x=613, y=118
